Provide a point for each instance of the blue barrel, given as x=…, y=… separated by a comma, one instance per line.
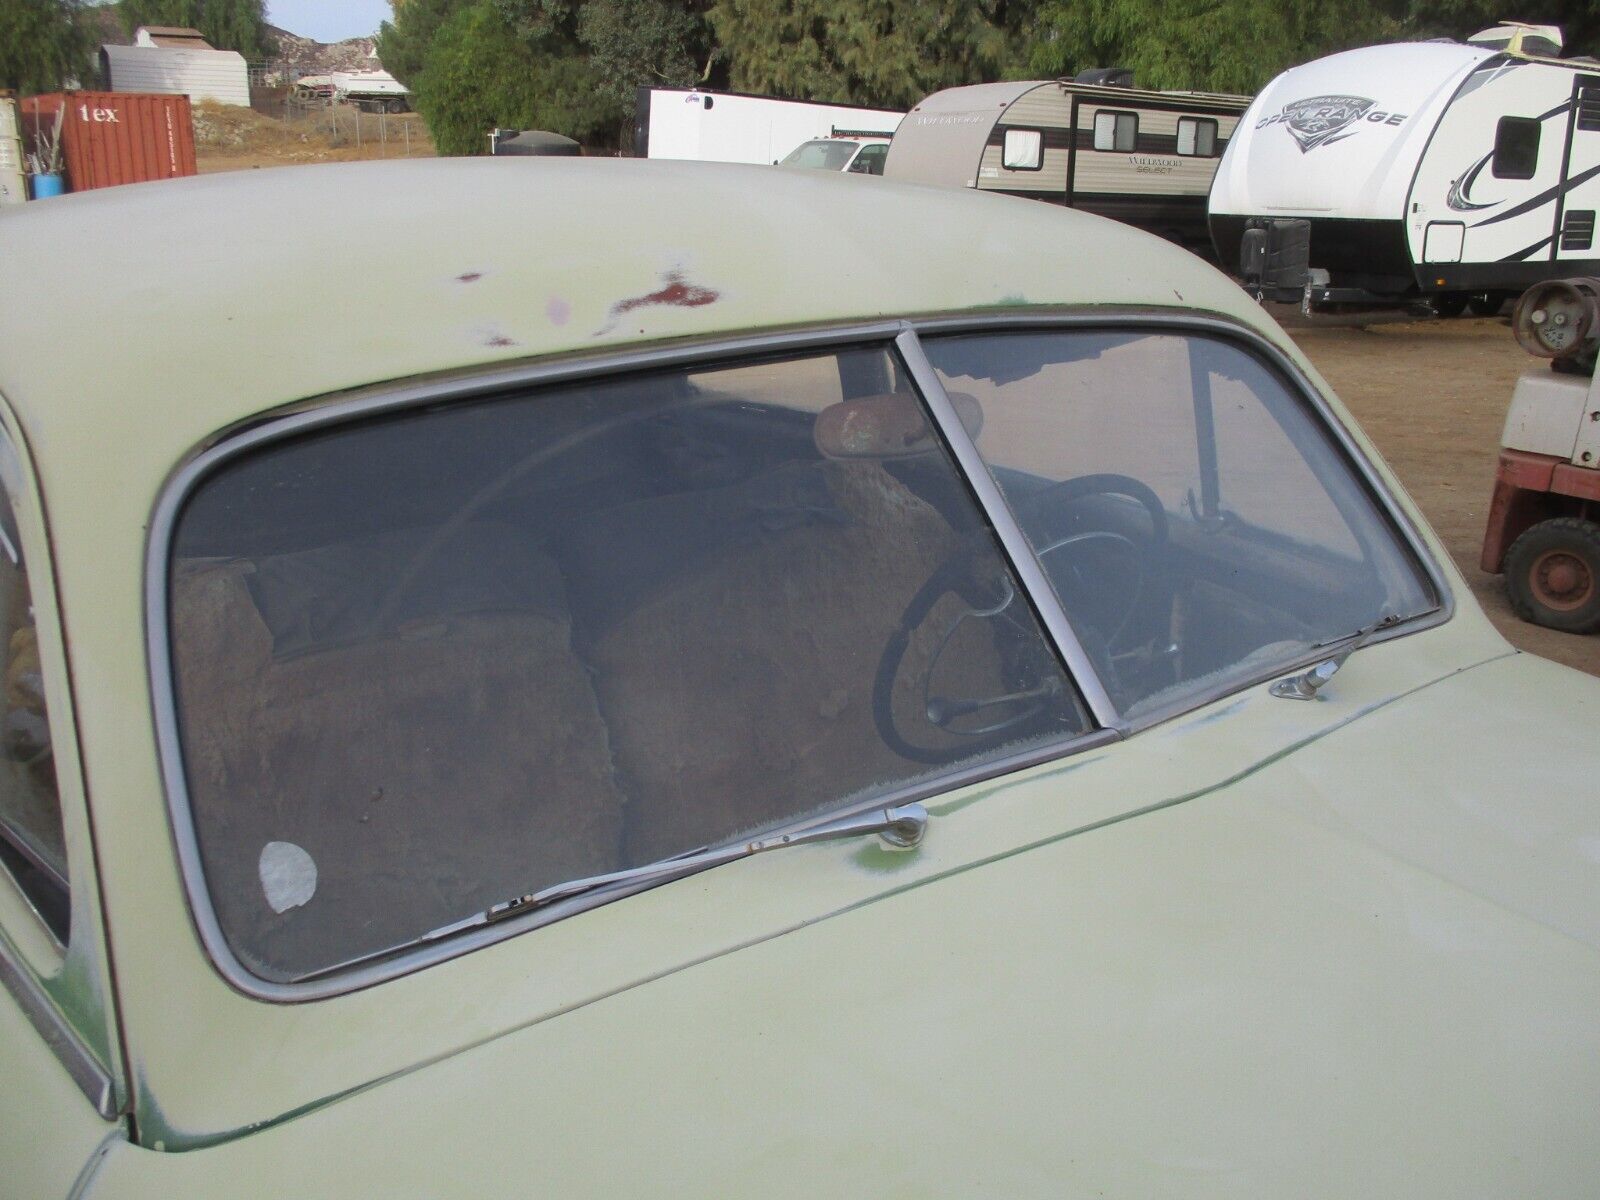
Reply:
x=46, y=185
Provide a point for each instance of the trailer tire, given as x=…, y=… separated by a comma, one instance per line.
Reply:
x=395, y=106
x=1553, y=575
x=1448, y=304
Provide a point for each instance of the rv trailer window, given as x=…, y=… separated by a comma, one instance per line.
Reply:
x=1516, y=148
x=1197, y=137
x=1116, y=131
x=1024, y=150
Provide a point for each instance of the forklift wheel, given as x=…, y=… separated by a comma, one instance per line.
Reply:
x=1553, y=575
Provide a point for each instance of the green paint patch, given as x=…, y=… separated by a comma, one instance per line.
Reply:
x=881, y=860
x=1008, y=302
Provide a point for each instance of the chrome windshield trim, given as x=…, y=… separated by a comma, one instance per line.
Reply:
x=93, y=1080
x=453, y=388
x=1004, y=523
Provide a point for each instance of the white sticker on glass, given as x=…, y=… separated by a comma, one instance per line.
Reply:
x=288, y=875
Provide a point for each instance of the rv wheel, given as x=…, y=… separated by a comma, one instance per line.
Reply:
x=1448, y=304
x=1553, y=575
x=1487, y=304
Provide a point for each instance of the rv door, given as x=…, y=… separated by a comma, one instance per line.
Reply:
x=1580, y=174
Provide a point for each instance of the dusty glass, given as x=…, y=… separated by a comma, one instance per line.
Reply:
x=1193, y=515
x=429, y=662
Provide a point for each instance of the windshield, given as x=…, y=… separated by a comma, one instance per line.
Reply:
x=822, y=155
x=428, y=662
x=1195, y=519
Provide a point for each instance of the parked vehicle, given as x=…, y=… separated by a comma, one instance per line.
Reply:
x=706, y=126
x=1139, y=156
x=1544, y=518
x=804, y=695
x=1454, y=173
x=372, y=91
x=851, y=153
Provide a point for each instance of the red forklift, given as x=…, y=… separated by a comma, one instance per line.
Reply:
x=1544, y=519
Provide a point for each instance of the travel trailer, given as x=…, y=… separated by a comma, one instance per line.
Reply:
x=706, y=126
x=1450, y=172
x=1095, y=143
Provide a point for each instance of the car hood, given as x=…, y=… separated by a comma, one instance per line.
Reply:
x=1370, y=966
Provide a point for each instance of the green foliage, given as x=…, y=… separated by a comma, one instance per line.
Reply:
x=479, y=72
x=648, y=43
x=44, y=44
x=403, y=43
x=227, y=24
x=1199, y=45
x=883, y=52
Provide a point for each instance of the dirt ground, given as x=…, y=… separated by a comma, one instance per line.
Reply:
x=240, y=139
x=1433, y=394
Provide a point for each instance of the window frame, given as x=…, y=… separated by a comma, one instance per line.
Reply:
x=901, y=337
x=1199, y=123
x=1038, y=164
x=1510, y=124
x=37, y=968
x=1115, y=114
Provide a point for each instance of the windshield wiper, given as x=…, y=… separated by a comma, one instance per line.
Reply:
x=1305, y=685
x=901, y=825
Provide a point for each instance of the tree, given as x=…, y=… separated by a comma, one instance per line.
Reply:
x=885, y=52
x=227, y=24
x=480, y=73
x=44, y=45
x=1199, y=44
x=404, y=42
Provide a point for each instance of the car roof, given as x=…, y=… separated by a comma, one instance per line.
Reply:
x=155, y=314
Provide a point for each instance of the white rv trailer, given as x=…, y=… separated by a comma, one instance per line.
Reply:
x=706, y=126
x=1437, y=170
x=1143, y=157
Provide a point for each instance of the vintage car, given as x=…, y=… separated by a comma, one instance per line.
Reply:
x=741, y=683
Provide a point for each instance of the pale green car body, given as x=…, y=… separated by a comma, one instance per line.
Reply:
x=1342, y=948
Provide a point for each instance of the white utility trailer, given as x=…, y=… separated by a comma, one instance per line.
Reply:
x=1454, y=172
x=707, y=126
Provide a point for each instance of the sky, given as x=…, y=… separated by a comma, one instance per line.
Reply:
x=328, y=20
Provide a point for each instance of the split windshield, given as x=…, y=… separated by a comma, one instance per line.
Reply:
x=431, y=661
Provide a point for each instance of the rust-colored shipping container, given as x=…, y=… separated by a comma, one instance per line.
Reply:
x=109, y=138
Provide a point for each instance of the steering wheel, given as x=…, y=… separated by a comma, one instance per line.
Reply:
x=1101, y=554
x=980, y=722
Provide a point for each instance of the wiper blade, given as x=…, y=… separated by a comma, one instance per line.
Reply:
x=1305, y=685
x=901, y=825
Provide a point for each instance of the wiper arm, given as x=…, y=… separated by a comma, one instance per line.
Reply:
x=1305, y=685
x=901, y=825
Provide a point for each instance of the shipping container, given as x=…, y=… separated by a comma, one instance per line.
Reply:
x=12, y=187
x=109, y=138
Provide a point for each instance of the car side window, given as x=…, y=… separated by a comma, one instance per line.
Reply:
x=32, y=844
x=870, y=160
x=427, y=663
x=1516, y=148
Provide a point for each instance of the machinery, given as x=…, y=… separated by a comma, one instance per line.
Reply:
x=1544, y=519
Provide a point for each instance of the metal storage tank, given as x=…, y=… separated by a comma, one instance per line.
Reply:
x=13, y=187
x=109, y=138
